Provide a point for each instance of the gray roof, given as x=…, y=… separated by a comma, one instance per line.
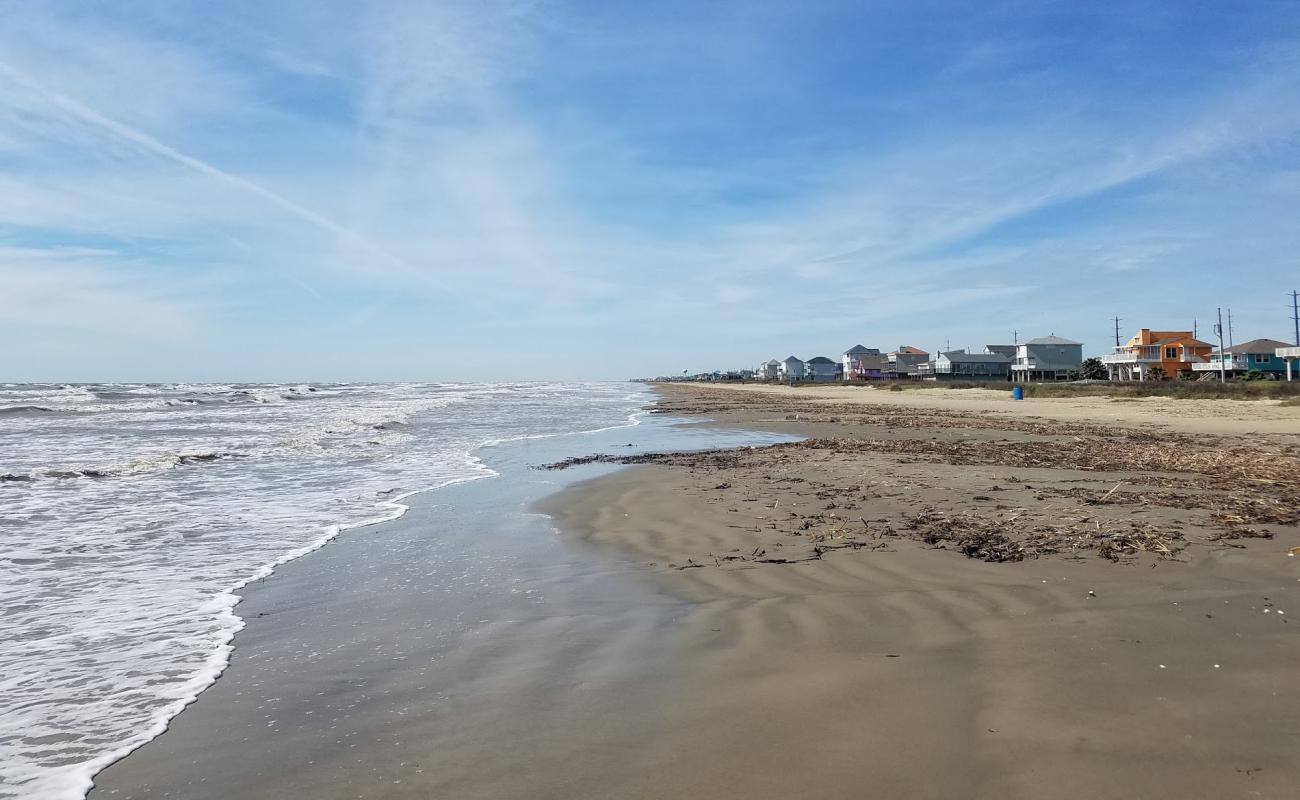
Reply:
x=873, y=361
x=960, y=357
x=773, y=361
x=792, y=358
x=1005, y=349
x=1053, y=339
x=859, y=350
x=1258, y=346
x=819, y=360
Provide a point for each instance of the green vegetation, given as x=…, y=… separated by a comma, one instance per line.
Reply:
x=1092, y=370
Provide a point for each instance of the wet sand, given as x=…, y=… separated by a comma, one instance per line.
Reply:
x=462, y=651
x=806, y=620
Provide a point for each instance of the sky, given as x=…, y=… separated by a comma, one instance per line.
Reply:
x=592, y=190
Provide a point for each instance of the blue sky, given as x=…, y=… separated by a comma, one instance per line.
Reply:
x=481, y=190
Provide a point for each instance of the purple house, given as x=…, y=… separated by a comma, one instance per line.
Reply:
x=862, y=363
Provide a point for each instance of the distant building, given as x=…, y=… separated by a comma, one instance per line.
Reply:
x=1174, y=352
x=959, y=365
x=1258, y=355
x=792, y=369
x=1047, y=358
x=875, y=367
x=906, y=357
x=768, y=370
x=1008, y=350
x=906, y=360
x=821, y=369
x=853, y=364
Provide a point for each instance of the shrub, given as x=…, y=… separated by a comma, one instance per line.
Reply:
x=1092, y=370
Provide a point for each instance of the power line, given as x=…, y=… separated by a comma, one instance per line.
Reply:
x=1218, y=331
x=1295, y=315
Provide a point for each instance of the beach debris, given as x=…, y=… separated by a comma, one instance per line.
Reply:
x=1177, y=489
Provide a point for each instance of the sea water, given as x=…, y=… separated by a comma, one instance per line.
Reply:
x=131, y=514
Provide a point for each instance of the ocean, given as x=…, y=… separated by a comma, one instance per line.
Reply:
x=130, y=515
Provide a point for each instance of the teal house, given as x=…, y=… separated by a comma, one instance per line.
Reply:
x=1259, y=355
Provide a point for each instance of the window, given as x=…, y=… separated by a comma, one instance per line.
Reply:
x=1171, y=352
x=1261, y=358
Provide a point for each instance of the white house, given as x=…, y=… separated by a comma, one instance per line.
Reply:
x=792, y=369
x=768, y=370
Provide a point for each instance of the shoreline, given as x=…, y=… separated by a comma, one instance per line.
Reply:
x=347, y=594
x=387, y=510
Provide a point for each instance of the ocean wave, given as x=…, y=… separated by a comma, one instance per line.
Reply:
x=136, y=466
x=18, y=411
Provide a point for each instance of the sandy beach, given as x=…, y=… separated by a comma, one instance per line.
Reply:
x=856, y=629
x=931, y=594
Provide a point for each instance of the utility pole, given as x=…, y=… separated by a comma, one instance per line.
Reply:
x=1117, y=321
x=1196, y=333
x=1230, y=327
x=1218, y=330
x=1015, y=337
x=1295, y=315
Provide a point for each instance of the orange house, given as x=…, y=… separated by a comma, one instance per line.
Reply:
x=1173, y=352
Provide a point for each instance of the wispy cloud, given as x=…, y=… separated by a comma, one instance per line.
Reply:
x=79, y=111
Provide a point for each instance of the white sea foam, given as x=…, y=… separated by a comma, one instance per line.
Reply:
x=117, y=591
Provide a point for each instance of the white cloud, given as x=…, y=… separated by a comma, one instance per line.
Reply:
x=93, y=291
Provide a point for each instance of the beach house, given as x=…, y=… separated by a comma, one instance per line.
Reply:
x=1257, y=355
x=768, y=370
x=1008, y=350
x=791, y=369
x=959, y=365
x=1047, y=358
x=1171, y=352
x=907, y=358
x=821, y=369
x=875, y=367
x=858, y=361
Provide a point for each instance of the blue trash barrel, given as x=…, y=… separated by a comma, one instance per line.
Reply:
x=1017, y=393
